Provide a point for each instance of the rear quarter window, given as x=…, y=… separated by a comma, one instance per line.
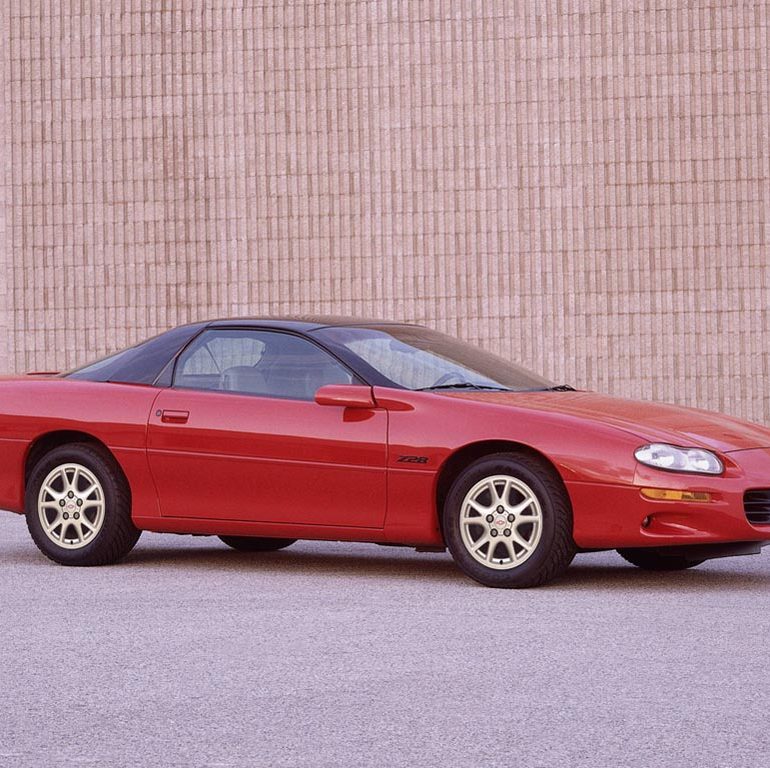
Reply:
x=141, y=364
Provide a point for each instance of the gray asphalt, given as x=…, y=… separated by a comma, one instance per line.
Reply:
x=329, y=654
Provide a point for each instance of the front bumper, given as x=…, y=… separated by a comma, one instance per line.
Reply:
x=613, y=516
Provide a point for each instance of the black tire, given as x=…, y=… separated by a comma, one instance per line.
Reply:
x=555, y=549
x=255, y=544
x=117, y=535
x=655, y=560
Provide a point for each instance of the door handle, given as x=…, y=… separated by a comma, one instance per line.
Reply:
x=174, y=417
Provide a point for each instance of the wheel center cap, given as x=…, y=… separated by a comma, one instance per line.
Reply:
x=501, y=522
x=71, y=506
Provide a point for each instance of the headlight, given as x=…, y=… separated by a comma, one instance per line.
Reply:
x=676, y=459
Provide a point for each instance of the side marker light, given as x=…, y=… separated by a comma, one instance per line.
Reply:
x=663, y=494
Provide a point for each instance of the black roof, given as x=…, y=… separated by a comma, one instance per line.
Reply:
x=144, y=363
x=300, y=322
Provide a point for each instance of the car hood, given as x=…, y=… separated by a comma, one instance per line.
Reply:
x=653, y=422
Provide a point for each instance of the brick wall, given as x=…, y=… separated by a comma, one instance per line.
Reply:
x=582, y=186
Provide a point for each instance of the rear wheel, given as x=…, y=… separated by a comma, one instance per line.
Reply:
x=655, y=560
x=254, y=544
x=78, y=507
x=508, y=522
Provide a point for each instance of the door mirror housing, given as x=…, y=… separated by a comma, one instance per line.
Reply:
x=346, y=396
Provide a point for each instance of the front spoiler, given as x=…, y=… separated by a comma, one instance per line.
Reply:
x=696, y=553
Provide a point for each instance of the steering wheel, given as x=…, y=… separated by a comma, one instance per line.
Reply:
x=447, y=377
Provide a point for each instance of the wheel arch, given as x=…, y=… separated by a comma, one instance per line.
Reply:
x=47, y=442
x=462, y=457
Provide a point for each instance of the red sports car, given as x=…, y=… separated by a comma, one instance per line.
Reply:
x=262, y=432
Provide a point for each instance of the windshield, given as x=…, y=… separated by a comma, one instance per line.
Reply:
x=419, y=358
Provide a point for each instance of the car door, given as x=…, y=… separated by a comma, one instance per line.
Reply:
x=238, y=436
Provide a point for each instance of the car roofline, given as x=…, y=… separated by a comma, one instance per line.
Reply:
x=302, y=324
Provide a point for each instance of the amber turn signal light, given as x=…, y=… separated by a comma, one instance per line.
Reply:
x=663, y=494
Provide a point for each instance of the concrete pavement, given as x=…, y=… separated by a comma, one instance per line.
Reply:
x=191, y=654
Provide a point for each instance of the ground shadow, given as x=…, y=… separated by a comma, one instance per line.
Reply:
x=368, y=562
x=364, y=563
x=405, y=563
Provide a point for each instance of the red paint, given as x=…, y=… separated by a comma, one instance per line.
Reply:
x=258, y=459
x=346, y=395
x=213, y=462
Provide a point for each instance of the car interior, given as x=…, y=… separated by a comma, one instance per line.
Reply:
x=272, y=365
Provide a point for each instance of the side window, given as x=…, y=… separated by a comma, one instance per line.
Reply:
x=265, y=363
x=203, y=363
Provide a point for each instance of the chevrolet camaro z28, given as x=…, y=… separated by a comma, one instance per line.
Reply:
x=262, y=432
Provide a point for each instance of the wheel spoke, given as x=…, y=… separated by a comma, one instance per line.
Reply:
x=519, y=508
x=482, y=521
x=66, y=481
x=511, y=551
x=525, y=520
x=86, y=523
x=61, y=475
x=51, y=491
x=506, y=492
x=482, y=510
x=50, y=526
x=520, y=540
x=88, y=491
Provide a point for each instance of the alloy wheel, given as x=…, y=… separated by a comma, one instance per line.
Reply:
x=501, y=522
x=71, y=506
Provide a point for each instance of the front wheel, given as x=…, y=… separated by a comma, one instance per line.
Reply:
x=255, y=544
x=656, y=560
x=507, y=521
x=78, y=507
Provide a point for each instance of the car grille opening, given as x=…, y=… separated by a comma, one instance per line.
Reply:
x=756, y=504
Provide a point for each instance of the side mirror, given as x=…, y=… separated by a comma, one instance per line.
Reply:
x=346, y=396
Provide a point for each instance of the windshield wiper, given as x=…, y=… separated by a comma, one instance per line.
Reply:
x=463, y=385
x=560, y=388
